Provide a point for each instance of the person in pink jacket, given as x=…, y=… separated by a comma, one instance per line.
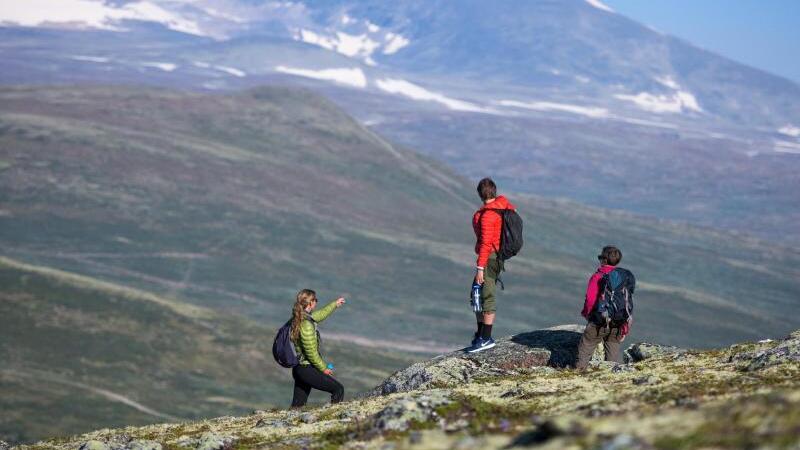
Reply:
x=598, y=329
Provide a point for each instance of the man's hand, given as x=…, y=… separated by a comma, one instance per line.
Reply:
x=479, y=276
x=340, y=301
x=327, y=372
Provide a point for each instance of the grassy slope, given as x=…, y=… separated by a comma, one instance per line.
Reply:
x=237, y=201
x=668, y=173
x=700, y=399
x=79, y=353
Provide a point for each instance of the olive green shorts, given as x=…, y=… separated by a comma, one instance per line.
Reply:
x=490, y=273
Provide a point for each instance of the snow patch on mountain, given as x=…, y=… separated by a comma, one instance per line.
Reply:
x=354, y=46
x=416, y=92
x=680, y=101
x=790, y=130
x=600, y=5
x=91, y=14
x=94, y=59
x=165, y=66
x=582, y=79
x=668, y=81
x=350, y=76
x=647, y=123
x=588, y=111
x=231, y=71
x=213, y=12
x=787, y=147
x=394, y=42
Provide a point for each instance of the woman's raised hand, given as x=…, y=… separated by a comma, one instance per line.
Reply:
x=340, y=301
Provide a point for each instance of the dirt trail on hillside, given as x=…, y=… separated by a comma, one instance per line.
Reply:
x=108, y=395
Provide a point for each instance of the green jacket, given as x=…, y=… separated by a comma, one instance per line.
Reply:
x=307, y=346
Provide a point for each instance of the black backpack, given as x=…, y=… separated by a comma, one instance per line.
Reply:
x=510, y=234
x=615, y=305
x=283, y=348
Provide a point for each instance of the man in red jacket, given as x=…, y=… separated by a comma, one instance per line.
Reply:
x=487, y=225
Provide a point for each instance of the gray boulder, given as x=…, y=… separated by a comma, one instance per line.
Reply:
x=207, y=441
x=643, y=350
x=521, y=353
x=4, y=445
x=419, y=407
x=143, y=445
x=99, y=445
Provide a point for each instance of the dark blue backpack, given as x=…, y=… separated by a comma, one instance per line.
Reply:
x=614, y=307
x=283, y=348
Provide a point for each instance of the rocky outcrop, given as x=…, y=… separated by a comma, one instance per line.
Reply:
x=521, y=353
x=643, y=350
x=207, y=441
x=120, y=443
x=760, y=358
x=413, y=408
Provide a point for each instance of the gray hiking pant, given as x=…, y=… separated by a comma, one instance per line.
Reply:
x=593, y=335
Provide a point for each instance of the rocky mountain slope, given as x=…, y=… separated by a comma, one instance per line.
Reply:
x=518, y=395
x=546, y=87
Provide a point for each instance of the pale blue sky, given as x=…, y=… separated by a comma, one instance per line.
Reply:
x=761, y=33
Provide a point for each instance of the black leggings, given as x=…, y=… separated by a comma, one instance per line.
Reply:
x=307, y=377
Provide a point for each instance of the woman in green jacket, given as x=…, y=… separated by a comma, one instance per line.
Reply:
x=311, y=372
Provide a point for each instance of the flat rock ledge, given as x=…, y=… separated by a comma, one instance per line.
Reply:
x=522, y=353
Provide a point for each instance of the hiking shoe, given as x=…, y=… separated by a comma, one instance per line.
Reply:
x=481, y=344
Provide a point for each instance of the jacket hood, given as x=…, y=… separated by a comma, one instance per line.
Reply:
x=606, y=268
x=501, y=202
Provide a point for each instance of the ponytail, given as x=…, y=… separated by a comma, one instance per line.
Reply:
x=304, y=298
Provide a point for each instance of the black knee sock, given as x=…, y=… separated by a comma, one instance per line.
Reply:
x=486, y=333
x=480, y=329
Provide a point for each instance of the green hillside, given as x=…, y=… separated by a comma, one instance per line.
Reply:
x=79, y=353
x=231, y=203
x=237, y=201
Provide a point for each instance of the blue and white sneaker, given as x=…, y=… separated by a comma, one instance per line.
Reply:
x=475, y=338
x=481, y=344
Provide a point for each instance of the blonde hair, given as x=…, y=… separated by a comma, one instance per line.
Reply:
x=304, y=298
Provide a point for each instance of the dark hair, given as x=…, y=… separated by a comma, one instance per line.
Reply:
x=487, y=189
x=610, y=255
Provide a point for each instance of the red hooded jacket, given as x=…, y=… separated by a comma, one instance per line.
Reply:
x=487, y=226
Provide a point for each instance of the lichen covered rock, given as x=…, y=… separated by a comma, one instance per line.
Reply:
x=419, y=407
x=643, y=350
x=207, y=441
x=786, y=350
x=518, y=354
x=121, y=442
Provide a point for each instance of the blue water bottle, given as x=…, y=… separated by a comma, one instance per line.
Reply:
x=475, y=297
